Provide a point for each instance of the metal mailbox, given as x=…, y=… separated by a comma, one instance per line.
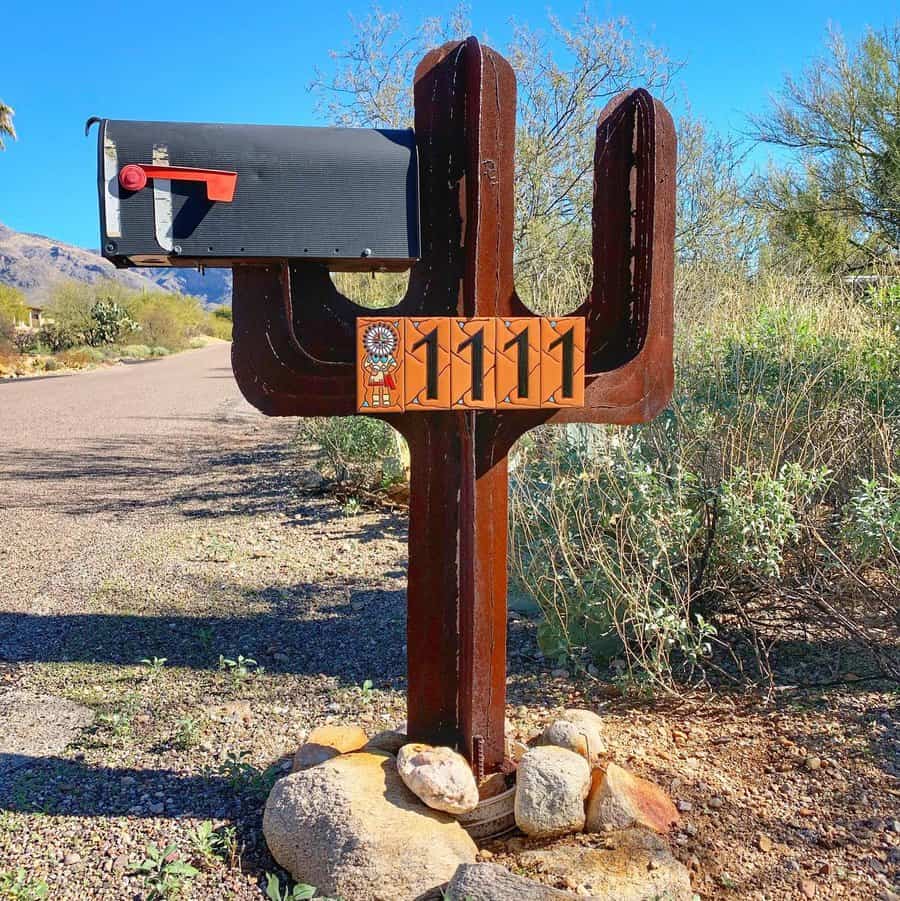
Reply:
x=199, y=194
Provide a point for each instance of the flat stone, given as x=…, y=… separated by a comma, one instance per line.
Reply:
x=439, y=777
x=551, y=785
x=634, y=865
x=390, y=740
x=619, y=800
x=35, y=725
x=350, y=827
x=491, y=882
x=325, y=742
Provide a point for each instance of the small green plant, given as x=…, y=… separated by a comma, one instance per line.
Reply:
x=117, y=722
x=243, y=776
x=366, y=691
x=205, y=636
x=187, y=733
x=871, y=520
x=352, y=507
x=155, y=665
x=216, y=550
x=164, y=872
x=274, y=891
x=212, y=845
x=18, y=887
x=240, y=668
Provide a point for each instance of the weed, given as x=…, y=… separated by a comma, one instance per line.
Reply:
x=205, y=635
x=164, y=872
x=243, y=776
x=155, y=664
x=213, y=845
x=187, y=733
x=18, y=887
x=240, y=668
x=367, y=691
x=216, y=550
x=274, y=891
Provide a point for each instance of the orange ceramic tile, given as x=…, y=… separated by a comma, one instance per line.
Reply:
x=426, y=364
x=472, y=363
x=562, y=362
x=518, y=373
x=379, y=365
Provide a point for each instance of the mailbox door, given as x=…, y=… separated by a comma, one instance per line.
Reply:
x=343, y=196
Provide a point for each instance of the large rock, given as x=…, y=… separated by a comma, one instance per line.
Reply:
x=438, y=776
x=491, y=882
x=633, y=865
x=620, y=800
x=325, y=742
x=391, y=740
x=551, y=785
x=579, y=731
x=350, y=827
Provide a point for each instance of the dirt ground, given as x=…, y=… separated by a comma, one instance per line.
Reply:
x=190, y=539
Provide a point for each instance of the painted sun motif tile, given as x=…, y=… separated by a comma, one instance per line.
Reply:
x=518, y=375
x=379, y=365
x=562, y=362
x=427, y=363
x=472, y=348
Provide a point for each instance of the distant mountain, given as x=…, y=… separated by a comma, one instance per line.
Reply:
x=35, y=264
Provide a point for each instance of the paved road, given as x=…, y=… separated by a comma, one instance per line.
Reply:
x=88, y=460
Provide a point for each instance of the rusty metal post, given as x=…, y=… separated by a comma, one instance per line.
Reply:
x=293, y=355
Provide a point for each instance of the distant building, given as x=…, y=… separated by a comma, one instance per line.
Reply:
x=33, y=317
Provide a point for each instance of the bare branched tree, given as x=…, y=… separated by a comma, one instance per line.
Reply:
x=6, y=123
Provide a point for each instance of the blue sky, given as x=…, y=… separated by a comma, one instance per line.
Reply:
x=252, y=62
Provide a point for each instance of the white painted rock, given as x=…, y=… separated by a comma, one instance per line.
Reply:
x=325, y=742
x=438, y=776
x=579, y=731
x=350, y=827
x=619, y=800
x=551, y=785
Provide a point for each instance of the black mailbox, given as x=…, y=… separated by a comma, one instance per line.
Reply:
x=197, y=194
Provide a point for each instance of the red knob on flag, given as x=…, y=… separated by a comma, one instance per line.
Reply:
x=132, y=177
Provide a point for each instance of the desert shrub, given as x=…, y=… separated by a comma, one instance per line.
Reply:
x=134, y=352
x=159, y=351
x=165, y=319
x=54, y=337
x=80, y=357
x=357, y=451
x=217, y=325
x=780, y=439
x=871, y=521
x=12, y=311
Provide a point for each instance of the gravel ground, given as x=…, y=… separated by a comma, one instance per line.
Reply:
x=148, y=512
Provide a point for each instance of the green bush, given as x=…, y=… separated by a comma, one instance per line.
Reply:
x=632, y=541
x=358, y=451
x=54, y=337
x=134, y=352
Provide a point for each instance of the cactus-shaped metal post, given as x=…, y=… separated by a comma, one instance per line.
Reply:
x=294, y=355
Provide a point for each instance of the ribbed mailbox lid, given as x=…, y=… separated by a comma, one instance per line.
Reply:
x=345, y=196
